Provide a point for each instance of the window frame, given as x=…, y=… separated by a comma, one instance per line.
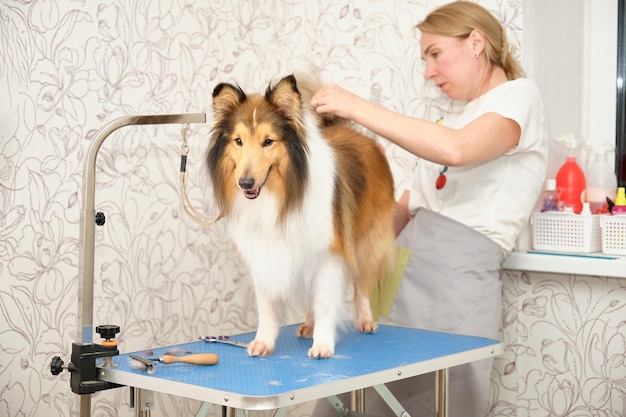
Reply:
x=620, y=117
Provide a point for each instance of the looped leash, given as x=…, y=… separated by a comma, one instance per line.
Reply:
x=195, y=215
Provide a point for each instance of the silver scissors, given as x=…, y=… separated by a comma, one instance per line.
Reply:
x=223, y=339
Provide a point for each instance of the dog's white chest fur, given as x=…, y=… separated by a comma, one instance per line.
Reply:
x=284, y=257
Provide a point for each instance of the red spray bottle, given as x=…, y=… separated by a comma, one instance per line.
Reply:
x=570, y=185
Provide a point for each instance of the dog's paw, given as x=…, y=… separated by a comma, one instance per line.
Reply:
x=367, y=326
x=260, y=348
x=305, y=330
x=321, y=351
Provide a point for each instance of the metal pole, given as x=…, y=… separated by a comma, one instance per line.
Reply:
x=357, y=401
x=441, y=393
x=87, y=224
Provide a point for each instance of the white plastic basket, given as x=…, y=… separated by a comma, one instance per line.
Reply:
x=566, y=232
x=613, y=234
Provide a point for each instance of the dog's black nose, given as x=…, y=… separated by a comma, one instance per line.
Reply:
x=246, y=183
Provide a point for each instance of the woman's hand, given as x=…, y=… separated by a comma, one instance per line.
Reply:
x=333, y=99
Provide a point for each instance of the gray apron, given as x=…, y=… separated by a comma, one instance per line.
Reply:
x=452, y=280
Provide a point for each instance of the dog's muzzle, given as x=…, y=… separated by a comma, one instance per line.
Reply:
x=247, y=184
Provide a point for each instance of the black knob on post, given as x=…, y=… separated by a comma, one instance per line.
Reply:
x=100, y=218
x=107, y=331
x=56, y=366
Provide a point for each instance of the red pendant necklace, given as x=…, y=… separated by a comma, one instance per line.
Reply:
x=441, y=179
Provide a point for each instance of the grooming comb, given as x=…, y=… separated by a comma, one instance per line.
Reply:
x=194, y=359
x=223, y=339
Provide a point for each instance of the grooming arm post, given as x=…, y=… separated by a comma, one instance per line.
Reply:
x=87, y=223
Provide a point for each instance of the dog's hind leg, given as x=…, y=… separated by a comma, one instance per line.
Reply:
x=376, y=254
x=306, y=329
x=364, y=320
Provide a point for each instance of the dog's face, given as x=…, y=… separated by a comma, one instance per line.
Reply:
x=257, y=141
x=255, y=148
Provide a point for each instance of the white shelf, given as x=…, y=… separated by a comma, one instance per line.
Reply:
x=596, y=264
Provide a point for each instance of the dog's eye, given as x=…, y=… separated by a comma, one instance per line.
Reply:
x=238, y=141
x=267, y=142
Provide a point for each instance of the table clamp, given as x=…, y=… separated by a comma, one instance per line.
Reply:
x=82, y=368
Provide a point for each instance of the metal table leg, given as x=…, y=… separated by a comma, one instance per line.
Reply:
x=441, y=393
x=357, y=402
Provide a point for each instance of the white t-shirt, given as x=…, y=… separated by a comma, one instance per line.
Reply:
x=495, y=197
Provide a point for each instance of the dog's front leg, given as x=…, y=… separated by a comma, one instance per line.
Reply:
x=329, y=303
x=268, y=328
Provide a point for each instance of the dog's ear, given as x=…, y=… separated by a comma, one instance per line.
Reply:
x=285, y=96
x=225, y=98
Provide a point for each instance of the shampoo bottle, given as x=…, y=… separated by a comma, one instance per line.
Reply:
x=570, y=185
x=620, y=202
x=601, y=180
x=549, y=199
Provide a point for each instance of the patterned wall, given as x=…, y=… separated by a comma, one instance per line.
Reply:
x=69, y=67
x=565, y=346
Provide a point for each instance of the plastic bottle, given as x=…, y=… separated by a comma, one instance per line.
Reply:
x=620, y=202
x=586, y=211
x=550, y=199
x=570, y=184
x=601, y=181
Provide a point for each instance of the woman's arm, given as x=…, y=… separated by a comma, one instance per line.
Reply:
x=483, y=139
x=402, y=216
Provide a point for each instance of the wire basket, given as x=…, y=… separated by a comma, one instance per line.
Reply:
x=566, y=232
x=613, y=234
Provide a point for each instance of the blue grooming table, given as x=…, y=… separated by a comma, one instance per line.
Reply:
x=289, y=377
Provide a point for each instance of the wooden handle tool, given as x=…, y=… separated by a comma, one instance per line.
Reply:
x=193, y=359
x=148, y=364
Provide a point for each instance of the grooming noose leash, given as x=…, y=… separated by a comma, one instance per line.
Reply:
x=201, y=219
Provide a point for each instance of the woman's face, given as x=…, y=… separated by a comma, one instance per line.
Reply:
x=451, y=64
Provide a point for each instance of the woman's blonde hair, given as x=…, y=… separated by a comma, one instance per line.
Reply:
x=460, y=18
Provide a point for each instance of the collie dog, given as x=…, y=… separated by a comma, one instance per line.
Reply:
x=310, y=207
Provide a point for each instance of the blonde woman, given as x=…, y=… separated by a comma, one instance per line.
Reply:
x=478, y=176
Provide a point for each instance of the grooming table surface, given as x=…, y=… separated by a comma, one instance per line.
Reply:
x=289, y=377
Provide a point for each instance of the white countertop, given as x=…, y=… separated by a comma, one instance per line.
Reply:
x=597, y=264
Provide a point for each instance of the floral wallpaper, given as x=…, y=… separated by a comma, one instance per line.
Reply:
x=565, y=346
x=67, y=68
